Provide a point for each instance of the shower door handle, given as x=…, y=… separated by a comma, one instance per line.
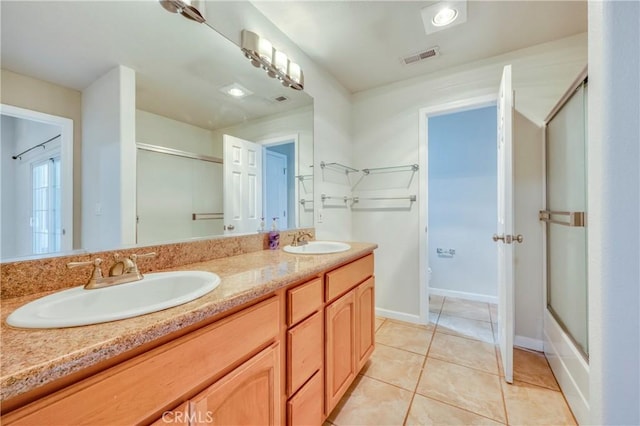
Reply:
x=508, y=239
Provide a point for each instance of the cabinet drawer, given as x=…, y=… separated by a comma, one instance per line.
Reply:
x=303, y=300
x=138, y=390
x=305, y=343
x=341, y=280
x=305, y=409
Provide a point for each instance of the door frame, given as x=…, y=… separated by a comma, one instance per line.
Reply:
x=283, y=140
x=423, y=116
x=66, y=158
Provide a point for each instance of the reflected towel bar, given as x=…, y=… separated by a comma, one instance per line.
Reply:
x=410, y=198
x=207, y=216
x=575, y=219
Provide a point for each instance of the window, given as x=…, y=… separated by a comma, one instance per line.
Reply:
x=46, y=221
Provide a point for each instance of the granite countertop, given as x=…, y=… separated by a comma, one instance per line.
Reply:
x=32, y=358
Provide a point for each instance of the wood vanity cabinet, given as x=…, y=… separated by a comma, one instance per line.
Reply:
x=349, y=325
x=287, y=359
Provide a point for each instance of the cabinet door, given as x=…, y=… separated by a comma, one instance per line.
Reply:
x=340, y=361
x=249, y=395
x=365, y=322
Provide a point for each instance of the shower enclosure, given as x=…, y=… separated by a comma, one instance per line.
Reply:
x=567, y=316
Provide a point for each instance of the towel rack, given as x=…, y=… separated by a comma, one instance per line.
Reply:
x=337, y=167
x=411, y=198
x=325, y=197
x=303, y=201
x=575, y=219
x=207, y=216
x=408, y=168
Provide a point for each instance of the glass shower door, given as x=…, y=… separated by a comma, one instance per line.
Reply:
x=566, y=218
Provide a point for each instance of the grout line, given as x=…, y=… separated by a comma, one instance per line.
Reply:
x=402, y=349
x=461, y=408
x=504, y=400
x=422, y=369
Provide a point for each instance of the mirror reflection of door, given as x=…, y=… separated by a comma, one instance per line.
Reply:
x=275, y=194
x=36, y=189
x=242, y=185
x=280, y=187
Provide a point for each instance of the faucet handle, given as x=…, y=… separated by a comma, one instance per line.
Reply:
x=96, y=274
x=134, y=258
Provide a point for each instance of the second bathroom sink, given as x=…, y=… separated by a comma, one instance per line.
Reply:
x=318, y=247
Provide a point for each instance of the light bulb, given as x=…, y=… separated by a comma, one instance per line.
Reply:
x=294, y=72
x=280, y=61
x=265, y=50
x=444, y=17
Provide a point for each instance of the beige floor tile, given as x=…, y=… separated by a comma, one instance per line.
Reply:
x=379, y=322
x=371, y=402
x=499, y=357
x=532, y=405
x=466, y=309
x=463, y=387
x=532, y=367
x=496, y=336
x=463, y=351
x=412, y=324
x=473, y=329
x=408, y=337
x=395, y=366
x=425, y=411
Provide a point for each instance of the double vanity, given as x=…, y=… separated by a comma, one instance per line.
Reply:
x=278, y=341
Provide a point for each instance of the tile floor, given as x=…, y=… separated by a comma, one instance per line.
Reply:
x=448, y=373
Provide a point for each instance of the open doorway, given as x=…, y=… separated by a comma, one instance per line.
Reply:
x=37, y=179
x=280, y=195
x=451, y=156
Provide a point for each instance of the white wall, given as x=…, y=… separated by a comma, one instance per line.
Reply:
x=109, y=161
x=613, y=194
x=463, y=203
x=155, y=129
x=332, y=106
x=7, y=171
x=385, y=129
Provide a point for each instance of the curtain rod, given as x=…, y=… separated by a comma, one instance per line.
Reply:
x=15, y=157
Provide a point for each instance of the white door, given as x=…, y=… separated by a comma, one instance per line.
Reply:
x=242, y=185
x=504, y=236
x=276, y=191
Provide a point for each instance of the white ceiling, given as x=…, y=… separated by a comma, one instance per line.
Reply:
x=179, y=64
x=361, y=43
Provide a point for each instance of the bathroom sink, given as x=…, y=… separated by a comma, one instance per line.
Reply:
x=78, y=306
x=318, y=247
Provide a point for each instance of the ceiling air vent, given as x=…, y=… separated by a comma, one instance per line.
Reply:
x=281, y=99
x=417, y=57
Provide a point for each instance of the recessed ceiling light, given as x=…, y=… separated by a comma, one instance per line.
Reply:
x=236, y=90
x=444, y=17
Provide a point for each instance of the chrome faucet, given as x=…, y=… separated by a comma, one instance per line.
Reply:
x=125, y=270
x=299, y=238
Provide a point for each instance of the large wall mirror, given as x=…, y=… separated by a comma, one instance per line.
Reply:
x=188, y=129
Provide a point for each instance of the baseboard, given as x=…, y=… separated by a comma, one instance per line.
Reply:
x=400, y=316
x=529, y=343
x=463, y=295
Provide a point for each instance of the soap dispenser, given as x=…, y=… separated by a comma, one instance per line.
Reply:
x=274, y=235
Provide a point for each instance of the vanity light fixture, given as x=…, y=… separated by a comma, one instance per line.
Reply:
x=262, y=54
x=443, y=15
x=183, y=7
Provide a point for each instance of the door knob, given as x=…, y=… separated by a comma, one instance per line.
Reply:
x=230, y=227
x=519, y=238
x=496, y=237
